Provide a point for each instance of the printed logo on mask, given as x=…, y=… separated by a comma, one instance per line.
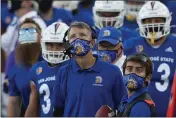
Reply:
x=79, y=48
x=133, y=81
x=106, y=57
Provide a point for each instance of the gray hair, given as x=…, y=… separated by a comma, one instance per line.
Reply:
x=80, y=25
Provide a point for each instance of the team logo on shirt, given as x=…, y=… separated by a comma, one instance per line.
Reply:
x=98, y=81
x=139, y=48
x=106, y=33
x=39, y=70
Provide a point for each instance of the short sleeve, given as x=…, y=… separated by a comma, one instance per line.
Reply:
x=12, y=87
x=13, y=90
x=32, y=74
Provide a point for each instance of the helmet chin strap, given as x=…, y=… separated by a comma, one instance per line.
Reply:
x=152, y=39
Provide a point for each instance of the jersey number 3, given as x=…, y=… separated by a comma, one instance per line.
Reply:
x=165, y=77
x=45, y=88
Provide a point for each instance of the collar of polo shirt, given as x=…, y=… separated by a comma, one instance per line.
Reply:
x=95, y=67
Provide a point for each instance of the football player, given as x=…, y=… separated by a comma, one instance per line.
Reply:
x=133, y=7
x=112, y=13
x=27, y=53
x=43, y=73
x=154, y=24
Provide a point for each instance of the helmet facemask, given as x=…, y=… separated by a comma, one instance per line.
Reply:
x=115, y=20
x=154, y=31
x=154, y=20
x=133, y=9
x=53, y=57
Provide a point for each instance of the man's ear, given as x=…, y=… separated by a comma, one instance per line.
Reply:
x=92, y=43
x=148, y=78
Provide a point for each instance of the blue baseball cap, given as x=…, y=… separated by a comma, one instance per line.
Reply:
x=110, y=34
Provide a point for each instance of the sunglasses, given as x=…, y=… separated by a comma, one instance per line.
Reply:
x=139, y=56
x=30, y=30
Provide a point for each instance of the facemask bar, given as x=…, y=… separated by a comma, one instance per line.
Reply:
x=116, y=22
x=155, y=30
x=53, y=57
x=133, y=9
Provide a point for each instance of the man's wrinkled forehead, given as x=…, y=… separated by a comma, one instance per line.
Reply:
x=77, y=30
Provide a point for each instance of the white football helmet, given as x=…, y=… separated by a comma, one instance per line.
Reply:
x=54, y=34
x=69, y=5
x=116, y=8
x=154, y=31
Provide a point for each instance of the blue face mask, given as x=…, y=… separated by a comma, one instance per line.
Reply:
x=80, y=47
x=108, y=56
x=133, y=81
x=29, y=36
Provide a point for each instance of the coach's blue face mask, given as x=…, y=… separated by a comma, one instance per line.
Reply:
x=133, y=81
x=27, y=35
x=80, y=47
x=107, y=55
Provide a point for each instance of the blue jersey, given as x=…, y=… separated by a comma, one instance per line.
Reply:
x=130, y=24
x=60, y=14
x=83, y=92
x=164, y=65
x=84, y=15
x=17, y=77
x=128, y=33
x=44, y=77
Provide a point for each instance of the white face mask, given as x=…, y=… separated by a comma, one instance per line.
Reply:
x=27, y=35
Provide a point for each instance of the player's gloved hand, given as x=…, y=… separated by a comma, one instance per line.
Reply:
x=33, y=107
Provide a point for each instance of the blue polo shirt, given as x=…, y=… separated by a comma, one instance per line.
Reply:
x=140, y=109
x=18, y=81
x=83, y=92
